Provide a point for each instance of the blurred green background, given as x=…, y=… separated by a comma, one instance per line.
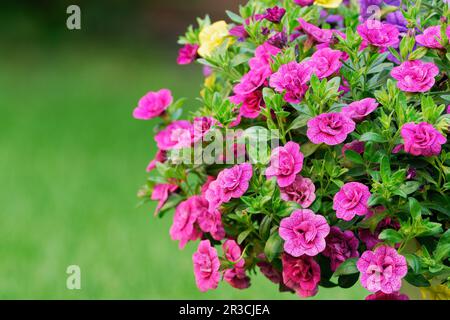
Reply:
x=72, y=157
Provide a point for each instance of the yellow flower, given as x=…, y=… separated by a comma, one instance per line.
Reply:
x=328, y=3
x=437, y=292
x=211, y=37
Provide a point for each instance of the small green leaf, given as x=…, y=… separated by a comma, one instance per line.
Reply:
x=385, y=169
x=391, y=235
x=347, y=267
x=413, y=262
x=273, y=247
x=415, y=209
x=264, y=228
x=347, y=281
x=353, y=156
x=417, y=280
x=243, y=235
x=372, y=136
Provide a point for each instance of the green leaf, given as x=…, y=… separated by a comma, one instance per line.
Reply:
x=273, y=247
x=372, y=136
x=442, y=251
x=347, y=267
x=347, y=281
x=243, y=235
x=353, y=156
x=391, y=235
x=385, y=169
x=309, y=148
x=264, y=228
x=413, y=262
x=415, y=209
x=234, y=17
x=299, y=122
x=417, y=280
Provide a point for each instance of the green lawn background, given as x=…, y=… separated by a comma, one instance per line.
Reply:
x=71, y=161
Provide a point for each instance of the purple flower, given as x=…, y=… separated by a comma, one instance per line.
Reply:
x=285, y=163
x=233, y=182
x=275, y=14
x=300, y=191
x=382, y=270
x=340, y=246
x=239, y=32
x=422, y=139
x=383, y=296
x=292, y=79
x=304, y=3
x=153, y=104
x=397, y=19
x=415, y=75
x=187, y=54
x=301, y=274
x=304, y=232
x=329, y=128
x=268, y=270
x=279, y=40
x=358, y=110
x=351, y=200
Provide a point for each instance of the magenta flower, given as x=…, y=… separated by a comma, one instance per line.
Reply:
x=263, y=56
x=153, y=104
x=292, y=79
x=201, y=127
x=315, y=33
x=383, y=296
x=159, y=157
x=206, y=266
x=251, y=104
x=355, y=145
x=285, y=163
x=341, y=245
x=379, y=34
x=177, y=135
x=358, y=110
x=275, y=14
x=430, y=38
x=415, y=76
x=382, y=270
x=233, y=253
x=300, y=191
x=239, y=32
x=187, y=54
x=351, y=200
x=304, y=232
x=161, y=194
x=235, y=276
x=326, y=62
x=301, y=274
x=329, y=128
x=206, y=185
x=252, y=81
x=184, y=228
x=422, y=139
x=233, y=182
x=210, y=221
x=212, y=195
x=268, y=270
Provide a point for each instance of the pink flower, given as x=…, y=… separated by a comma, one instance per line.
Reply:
x=422, y=139
x=206, y=266
x=326, y=62
x=340, y=246
x=161, y=193
x=430, y=38
x=177, y=135
x=268, y=270
x=304, y=3
x=292, y=79
x=391, y=296
x=201, y=127
x=351, y=200
x=252, y=81
x=301, y=274
x=153, y=104
x=206, y=185
x=235, y=276
x=371, y=239
x=212, y=195
x=183, y=227
x=329, y=128
x=285, y=163
x=263, y=56
x=187, y=54
x=251, y=104
x=300, y=191
x=275, y=14
x=379, y=34
x=159, y=157
x=209, y=221
x=355, y=145
x=304, y=232
x=358, y=110
x=233, y=182
x=315, y=33
x=415, y=76
x=239, y=32
x=382, y=270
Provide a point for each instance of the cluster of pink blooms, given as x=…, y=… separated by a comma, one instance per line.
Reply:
x=306, y=232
